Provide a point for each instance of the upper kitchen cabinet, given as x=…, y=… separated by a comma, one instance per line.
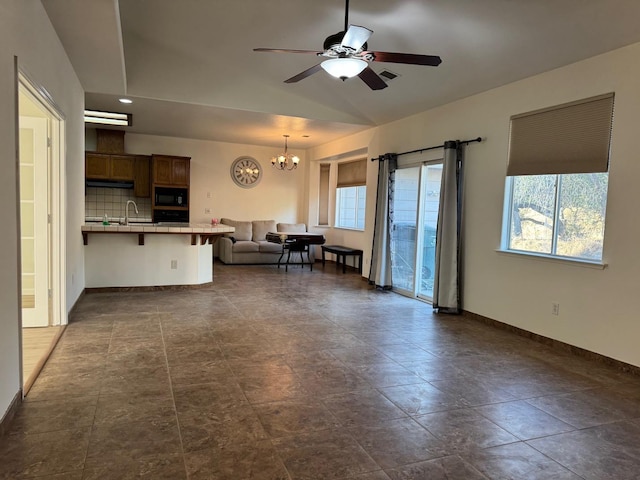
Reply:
x=170, y=170
x=101, y=166
x=142, y=177
x=97, y=165
x=122, y=167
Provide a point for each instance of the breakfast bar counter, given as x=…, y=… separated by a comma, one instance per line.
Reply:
x=207, y=233
x=147, y=255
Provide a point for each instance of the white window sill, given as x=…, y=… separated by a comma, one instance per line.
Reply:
x=349, y=229
x=576, y=262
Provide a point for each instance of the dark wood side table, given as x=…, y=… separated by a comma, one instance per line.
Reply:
x=344, y=252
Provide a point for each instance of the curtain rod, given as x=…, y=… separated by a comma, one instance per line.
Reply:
x=420, y=150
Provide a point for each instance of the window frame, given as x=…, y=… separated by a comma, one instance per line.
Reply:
x=507, y=217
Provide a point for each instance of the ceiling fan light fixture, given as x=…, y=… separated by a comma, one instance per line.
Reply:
x=344, y=68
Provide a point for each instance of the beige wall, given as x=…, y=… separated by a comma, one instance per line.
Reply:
x=280, y=195
x=25, y=32
x=598, y=308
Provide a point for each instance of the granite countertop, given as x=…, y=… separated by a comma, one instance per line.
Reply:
x=147, y=227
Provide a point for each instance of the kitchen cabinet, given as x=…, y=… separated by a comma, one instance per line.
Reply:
x=97, y=166
x=170, y=170
x=142, y=176
x=122, y=167
x=101, y=166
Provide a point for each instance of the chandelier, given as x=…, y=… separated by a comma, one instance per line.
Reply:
x=285, y=161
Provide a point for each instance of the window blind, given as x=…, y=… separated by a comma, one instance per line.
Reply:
x=352, y=174
x=570, y=138
x=323, y=196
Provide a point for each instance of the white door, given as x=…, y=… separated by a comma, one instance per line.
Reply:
x=34, y=213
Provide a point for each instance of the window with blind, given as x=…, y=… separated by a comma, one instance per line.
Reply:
x=557, y=180
x=351, y=194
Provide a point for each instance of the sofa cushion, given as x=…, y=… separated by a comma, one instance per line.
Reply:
x=245, y=246
x=292, y=227
x=243, y=229
x=261, y=228
x=270, y=247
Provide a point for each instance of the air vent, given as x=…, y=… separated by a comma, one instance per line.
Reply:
x=388, y=75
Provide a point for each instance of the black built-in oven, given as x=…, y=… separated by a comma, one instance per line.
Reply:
x=170, y=216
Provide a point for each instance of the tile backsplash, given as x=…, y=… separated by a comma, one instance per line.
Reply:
x=112, y=201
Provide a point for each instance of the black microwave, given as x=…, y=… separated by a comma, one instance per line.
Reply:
x=171, y=197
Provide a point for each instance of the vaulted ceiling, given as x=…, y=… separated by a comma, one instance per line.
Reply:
x=190, y=68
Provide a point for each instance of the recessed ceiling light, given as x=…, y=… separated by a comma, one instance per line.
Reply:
x=125, y=100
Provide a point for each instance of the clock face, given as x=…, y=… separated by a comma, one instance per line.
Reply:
x=246, y=172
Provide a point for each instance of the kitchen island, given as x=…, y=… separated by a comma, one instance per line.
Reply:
x=149, y=255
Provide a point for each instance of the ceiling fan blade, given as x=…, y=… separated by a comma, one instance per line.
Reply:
x=372, y=79
x=410, y=58
x=302, y=75
x=284, y=50
x=356, y=37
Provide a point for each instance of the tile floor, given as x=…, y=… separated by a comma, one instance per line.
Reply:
x=312, y=375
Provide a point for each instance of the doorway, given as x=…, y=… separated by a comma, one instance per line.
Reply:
x=39, y=165
x=413, y=233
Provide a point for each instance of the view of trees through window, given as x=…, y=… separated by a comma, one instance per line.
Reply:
x=559, y=215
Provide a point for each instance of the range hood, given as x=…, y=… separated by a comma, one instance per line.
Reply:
x=109, y=184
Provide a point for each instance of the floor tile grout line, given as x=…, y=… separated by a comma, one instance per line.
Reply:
x=173, y=399
x=93, y=423
x=552, y=459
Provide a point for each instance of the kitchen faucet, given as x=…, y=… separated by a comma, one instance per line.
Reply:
x=126, y=211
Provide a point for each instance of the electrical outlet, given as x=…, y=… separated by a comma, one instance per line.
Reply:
x=174, y=264
x=208, y=194
x=207, y=210
x=555, y=309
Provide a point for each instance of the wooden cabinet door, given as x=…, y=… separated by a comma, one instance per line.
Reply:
x=180, y=171
x=162, y=169
x=122, y=167
x=97, y=166
x=142, y=177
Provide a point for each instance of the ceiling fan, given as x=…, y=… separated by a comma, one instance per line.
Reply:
x=348, y=56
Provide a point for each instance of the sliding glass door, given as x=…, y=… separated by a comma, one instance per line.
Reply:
x=430, y=201
x=403, y=229
x=413, y=234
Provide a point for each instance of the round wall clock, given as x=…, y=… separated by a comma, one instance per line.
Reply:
x=246, y=172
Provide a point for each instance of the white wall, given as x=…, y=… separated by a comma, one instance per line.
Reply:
x=598, y=308
x=118, y=261
x=25, y=32
x=355, y=146
x=280, y=195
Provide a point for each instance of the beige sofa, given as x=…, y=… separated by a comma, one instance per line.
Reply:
x=248, y=244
